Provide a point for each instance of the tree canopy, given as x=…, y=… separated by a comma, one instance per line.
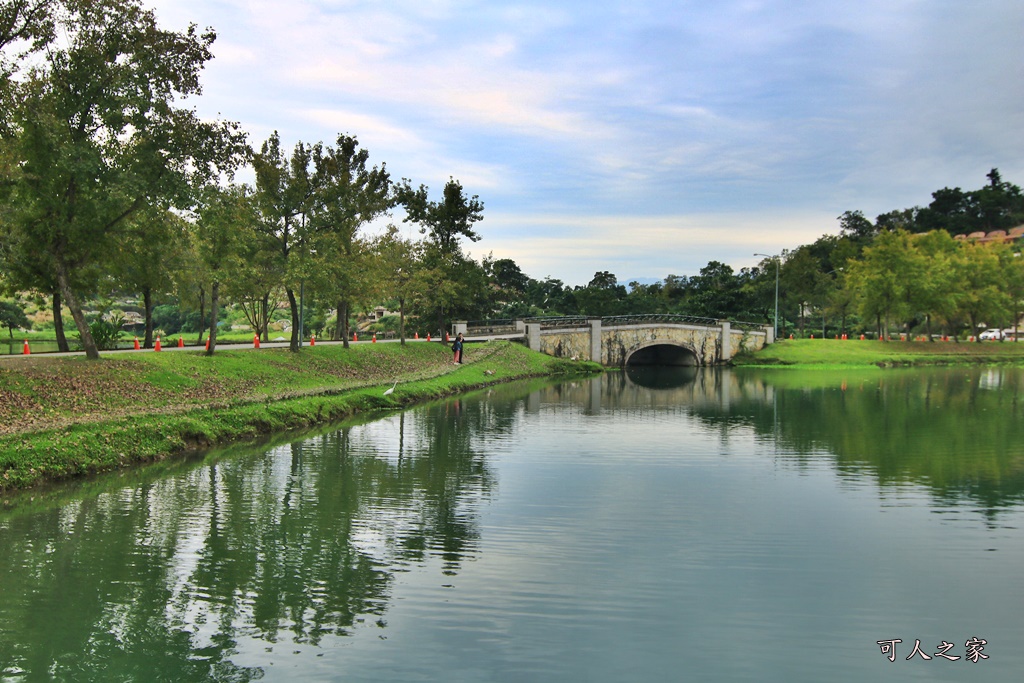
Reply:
x=99, y=136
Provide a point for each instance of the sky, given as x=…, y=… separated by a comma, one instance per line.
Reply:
x=640, y=137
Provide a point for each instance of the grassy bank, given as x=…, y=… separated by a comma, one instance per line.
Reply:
x=825, y=353
x=65, y=417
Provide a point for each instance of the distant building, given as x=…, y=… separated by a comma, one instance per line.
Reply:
x=378, y=313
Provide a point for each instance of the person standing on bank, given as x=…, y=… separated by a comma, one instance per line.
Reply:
x=457, y=348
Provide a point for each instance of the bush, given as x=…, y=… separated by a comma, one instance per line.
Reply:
x=168, y=318
x=106, y=333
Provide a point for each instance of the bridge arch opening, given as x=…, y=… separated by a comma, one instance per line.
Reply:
x=663, y=353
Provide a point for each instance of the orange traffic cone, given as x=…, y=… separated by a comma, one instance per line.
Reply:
x=137, y=347
x=417, y=335
x=445, y=337
x=181, y=342
x=374, y=340
x=207, y=343
x=256, y=341
x=25, y=351
x=157, y=347
x=312, y=341
x=428, y=336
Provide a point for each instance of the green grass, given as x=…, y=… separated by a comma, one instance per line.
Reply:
x=830, y=353
x=64, y=417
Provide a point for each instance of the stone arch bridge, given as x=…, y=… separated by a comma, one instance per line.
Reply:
x=617, y=341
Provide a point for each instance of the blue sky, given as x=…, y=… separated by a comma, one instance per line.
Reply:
x=641, y=137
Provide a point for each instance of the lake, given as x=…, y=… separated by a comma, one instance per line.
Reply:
x=648, y=525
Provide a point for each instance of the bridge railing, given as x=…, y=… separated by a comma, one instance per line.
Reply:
x=663, y=318
x=509, y=326
x=748, y=326
x=496, y=326
x=557, y=321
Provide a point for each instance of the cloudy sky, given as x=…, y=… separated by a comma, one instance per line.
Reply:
x=643, y=137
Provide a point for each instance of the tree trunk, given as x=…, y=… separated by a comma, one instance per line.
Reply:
x=401, y=320
x=147, y=305
x=343, y=317
x=440, y=324
x=214, y=313
x=294, y=305
x=58, y=324
x=265, y=323
x=88, y=344
x=339, y=331
x=202, y=313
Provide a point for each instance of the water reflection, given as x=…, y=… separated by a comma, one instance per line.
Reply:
x=661, y=377
x=219, y=569
x=958, y=432
x=301, y=544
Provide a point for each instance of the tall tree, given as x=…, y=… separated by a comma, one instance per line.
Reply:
x=602, y=296
x=397, y=261
x=984, y=295
x=12, y=316
x=285, y=196
x=146, y=256
x=221, y=223
x=350, y=194
x=444, y=222
x=99, y=137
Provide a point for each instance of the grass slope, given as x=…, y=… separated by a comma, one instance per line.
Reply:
x=64, y=417
x=826, y=353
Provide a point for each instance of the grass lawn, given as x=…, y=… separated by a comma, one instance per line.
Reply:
x=65, y=416
x=845, y=353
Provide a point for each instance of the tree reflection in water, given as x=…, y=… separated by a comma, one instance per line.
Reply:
x=957, y=432
x=209, y=572
x=181, y=574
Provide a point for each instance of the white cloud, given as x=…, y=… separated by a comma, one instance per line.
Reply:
x=737, y=122
x=573, y=248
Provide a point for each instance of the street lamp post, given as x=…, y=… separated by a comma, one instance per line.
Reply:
x=776, y=259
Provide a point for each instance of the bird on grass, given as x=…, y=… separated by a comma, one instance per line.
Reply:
x=388, y=392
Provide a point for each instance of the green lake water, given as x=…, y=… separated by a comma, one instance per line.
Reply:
x=663, y=525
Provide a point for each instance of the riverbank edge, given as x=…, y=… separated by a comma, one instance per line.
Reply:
x=48, y=456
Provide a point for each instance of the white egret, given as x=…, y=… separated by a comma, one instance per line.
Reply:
x=391, y=389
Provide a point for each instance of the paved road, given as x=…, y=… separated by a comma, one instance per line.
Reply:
x=242, y=347
x=171, y=347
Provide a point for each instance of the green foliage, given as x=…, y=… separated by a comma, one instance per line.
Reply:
x=997, y=205
x=98, y=138
x=12, y=316
x=168, y=317
x=106, y=333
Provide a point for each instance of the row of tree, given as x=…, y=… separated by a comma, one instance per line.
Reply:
x=107, y=181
